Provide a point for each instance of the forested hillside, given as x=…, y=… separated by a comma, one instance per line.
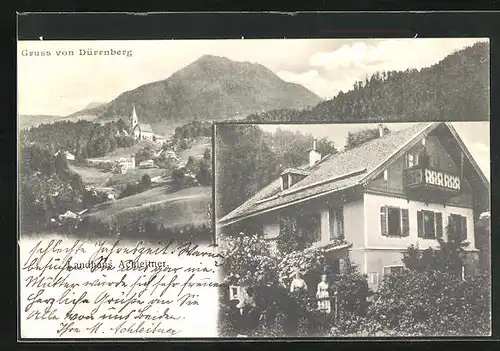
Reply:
x=83, y=138
x=47, y=187
x=456, y=88
x=194, y=129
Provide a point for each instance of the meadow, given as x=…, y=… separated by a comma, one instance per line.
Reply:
x=172, y=209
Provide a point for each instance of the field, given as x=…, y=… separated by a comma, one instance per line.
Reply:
x=196, y=150
x=97, y=178
x=91, y=176
x=176, y=209
x=127, y=151
x=119, y=181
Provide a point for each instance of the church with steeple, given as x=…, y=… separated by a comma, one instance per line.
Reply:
x=141, y=131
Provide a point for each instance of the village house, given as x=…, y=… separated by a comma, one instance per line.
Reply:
x=147, y=164
x=126, y=163
x=96, y=162
x=371, y=202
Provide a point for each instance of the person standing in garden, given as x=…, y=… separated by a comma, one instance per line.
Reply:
x=323, y=295
x=298, y=284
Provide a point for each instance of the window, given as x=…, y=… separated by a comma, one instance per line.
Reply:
x=336, y=224
x=430, y=224
x=411, y=160
x=457, y=227
x=284, y=182
x=309, y=227
x=386, y=175
x=394, y=221
x=295, y=178
x=393, y=269
x=234, y=292
x=338, y=266
x=373, y=278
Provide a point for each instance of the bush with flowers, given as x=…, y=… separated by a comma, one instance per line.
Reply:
x=249, y=262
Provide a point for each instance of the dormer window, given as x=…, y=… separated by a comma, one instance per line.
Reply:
x=291, y=176
x=284, y=181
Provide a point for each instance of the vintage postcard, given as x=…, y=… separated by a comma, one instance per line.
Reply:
x=233, y=188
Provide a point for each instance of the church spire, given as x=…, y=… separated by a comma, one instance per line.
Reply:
x=133, y=119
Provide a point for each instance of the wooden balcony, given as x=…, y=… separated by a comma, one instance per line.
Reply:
x=431, y=181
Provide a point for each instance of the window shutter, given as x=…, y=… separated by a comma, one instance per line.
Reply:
x=339, y=216
x=439, y=224
x=405, y=225
x=331, y=224
x=450, y=228
x=463, y=232
x=383, y=220
x=342, y=266
x=420, y=224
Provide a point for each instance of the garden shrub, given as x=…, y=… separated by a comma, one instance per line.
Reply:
x=430, y=303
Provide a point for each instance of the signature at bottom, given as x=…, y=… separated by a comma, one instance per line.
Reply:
x=122, y=328
x=140, y=328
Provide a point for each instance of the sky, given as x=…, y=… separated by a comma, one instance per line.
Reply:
x=475, y=135
x=60, y=85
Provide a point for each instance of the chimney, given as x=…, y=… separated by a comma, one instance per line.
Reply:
x=380, y=130
x=314, y=155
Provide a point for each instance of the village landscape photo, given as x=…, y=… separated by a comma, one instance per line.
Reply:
x=116, y=180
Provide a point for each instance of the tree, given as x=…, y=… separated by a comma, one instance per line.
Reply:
x=207, y=155
x=326, y=147
x=183, y=144
x=449, y=258
x=178, y=178
x=204, y=173
x=146, y=181
x=358, y=138
x=242, y=148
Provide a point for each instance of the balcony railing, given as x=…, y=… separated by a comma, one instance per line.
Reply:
x=417, y=178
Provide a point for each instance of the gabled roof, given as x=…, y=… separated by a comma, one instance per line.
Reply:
x=146, y=127
x=340, y=171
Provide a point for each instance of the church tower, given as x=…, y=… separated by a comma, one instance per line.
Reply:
x=133, y=119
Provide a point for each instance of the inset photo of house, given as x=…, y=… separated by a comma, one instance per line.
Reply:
x=354, y=229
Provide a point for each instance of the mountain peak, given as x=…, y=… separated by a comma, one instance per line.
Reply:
x=210, y=88
x=208, y=57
